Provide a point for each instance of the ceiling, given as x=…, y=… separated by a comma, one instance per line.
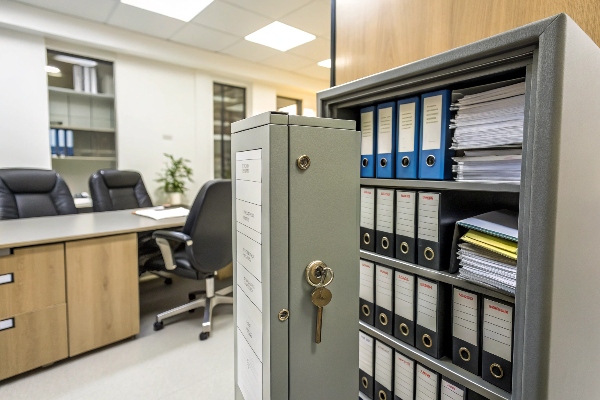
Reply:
x=221, y=27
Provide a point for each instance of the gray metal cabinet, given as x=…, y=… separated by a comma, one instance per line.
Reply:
x=287, y=217
x=555, y=355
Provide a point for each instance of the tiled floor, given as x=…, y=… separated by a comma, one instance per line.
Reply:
x=168, y=364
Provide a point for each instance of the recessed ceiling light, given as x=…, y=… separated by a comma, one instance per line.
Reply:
x=280, y=36
x=183, y=10
x=52, y=70
x=84, y=62
x=325, y=63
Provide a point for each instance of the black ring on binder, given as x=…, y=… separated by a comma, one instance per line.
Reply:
x=382, y=395
x=404, y=329
x=365, y=382
x=383, y=319
x=367, y=238
x=404, y=248
x=405, y=161
x=428, y=253
x=366, y=310
x=497, y=376
x=383, y=162
x=427, y=342
x=385, y=243
x=464, y=350
x=430, y=161
x=365, y=162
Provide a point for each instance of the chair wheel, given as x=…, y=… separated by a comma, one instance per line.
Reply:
x=158, y=326
x=191, y=297
x=204, y=335
x=168, y=281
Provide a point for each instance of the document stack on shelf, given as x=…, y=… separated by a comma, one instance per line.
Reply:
x=488, y=252
x=488, y=127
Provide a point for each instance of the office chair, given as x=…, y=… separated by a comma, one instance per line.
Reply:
x=201, y=249
x=26, y=193
x=113, y=190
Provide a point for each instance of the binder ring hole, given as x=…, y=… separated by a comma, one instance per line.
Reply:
x=365, y=162
x=428, y=253
x=405, y=161
x=385, y=243
x=382, y=395
x=404, y=248
x=464, y=354
x=427, y=340
x=383, y=319
x=366, y=310
x=404, y=329
x=365, y=382
x=367, y=238
x=496, y=371
x=430, y=161
x=383, y=162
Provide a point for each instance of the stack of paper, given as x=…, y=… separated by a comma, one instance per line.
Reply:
x=488, y=254
x=159, y=214
x=488, y=126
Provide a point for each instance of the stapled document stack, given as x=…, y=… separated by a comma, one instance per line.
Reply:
x=487, y=254
x=488, y=127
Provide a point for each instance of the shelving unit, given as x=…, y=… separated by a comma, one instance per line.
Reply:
x=79, y=128
x=85, y=158
x=557, y=270
x=79, y=93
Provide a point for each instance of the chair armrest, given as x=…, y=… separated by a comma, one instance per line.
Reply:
x=163, y=239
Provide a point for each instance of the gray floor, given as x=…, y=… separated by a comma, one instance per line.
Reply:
x=168, y=364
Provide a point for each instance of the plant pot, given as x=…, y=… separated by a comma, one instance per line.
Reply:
x=174, y=198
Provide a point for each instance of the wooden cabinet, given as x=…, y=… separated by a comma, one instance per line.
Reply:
x=102, y=291
x=33, y=313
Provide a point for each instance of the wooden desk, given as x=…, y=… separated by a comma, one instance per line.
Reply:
x=68, y=285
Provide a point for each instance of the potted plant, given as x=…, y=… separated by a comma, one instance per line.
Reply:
x=174, y=177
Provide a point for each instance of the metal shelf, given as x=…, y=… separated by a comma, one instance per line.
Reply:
x=441, y=276
x=75, y=128
x=443, y=366
x=85, y=158
x=77, y=93
x=451, y=185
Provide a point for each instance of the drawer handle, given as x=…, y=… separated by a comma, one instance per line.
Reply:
x=7, y=278
x=7, y=324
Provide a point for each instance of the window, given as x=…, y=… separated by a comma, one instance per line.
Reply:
x=290, y=106
x=229, y=106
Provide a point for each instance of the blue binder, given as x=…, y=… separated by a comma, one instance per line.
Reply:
x=368, y=127
x=53, y=142
x=69, y=143
x=386, y=139
x=61, y=148
x=407, y=156
x=435, y=157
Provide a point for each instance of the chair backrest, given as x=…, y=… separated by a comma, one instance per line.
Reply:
x=26, y=193
x=113, y=190
x=209, y=225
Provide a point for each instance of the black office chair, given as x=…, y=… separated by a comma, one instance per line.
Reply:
x=113, y=190
x=26, y=193
x=201, y=249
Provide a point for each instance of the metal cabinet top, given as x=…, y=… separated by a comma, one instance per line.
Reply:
x=280, y=118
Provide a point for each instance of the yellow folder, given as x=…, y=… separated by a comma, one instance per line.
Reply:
x=492, y=243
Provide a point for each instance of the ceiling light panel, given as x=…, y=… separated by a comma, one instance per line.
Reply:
x=280, y=36
x=184, y=10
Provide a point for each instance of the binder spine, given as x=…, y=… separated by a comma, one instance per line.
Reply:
x=386, y=140
x=428, y=230
x=427, y=383
x=408, y=143
x=406, y=249
x=404, y=377
x=53, y=142
x=368, y=127
x=450, y=390
x=365, y=363
x=367, y=292
x=466, y=330
x=497, y=345
x=367, y=219
x=61, y=148
x=69, y=142
x=384, y=371
x=384, y=297
x=384, y=223
x=404, y=307
x=435, y=158
x=433, y=314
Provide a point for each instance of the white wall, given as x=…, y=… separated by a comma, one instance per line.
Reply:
x=262, y=98
x=23, y=101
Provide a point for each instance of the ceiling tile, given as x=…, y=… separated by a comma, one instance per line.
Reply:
x=250, y=51
x=230, y=19
x=314, y=18
x=314, y=71
x=205, y=38
x=136, y=19
x=317, y=50
x=287, y=61
x=97, y=10
x=270, y=8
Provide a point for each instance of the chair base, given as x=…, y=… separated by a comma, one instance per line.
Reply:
x=209, y=301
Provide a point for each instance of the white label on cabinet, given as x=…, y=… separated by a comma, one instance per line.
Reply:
x=385, y=210
x=427, y=304
x=406, y=127
x=367, y=208
x=249, y=370
x=366, y=126
x=404, y=382
x=451, y=392
x=365, y=353
x=432, y=122
x=250, y=285
x=248, y=214
x=497, y=329
x=248, y=170
x=249, y=322
x=384, y=278
x=384, y=139
x=367, y=278
x=384, y=361
x=248, y=191
x=464, y=315
x=405, y=295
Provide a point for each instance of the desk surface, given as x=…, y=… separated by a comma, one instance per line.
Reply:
x=62, y=228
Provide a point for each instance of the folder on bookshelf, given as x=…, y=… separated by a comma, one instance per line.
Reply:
x=407, y=156
x=368, y=127
x=366, y=345
x=384, y=222
x=406, y=223
x=367, y=218
x=384, y=297
x=386, y=140
x=433, y=317
x=435, y=153
x=404, y=382
x=404, y=307
x=496, y=356
x=367, y=292
x=466, y=330
x=384, y=370
x=427, y=383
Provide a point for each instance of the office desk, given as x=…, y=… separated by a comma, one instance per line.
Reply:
x=68, y=285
